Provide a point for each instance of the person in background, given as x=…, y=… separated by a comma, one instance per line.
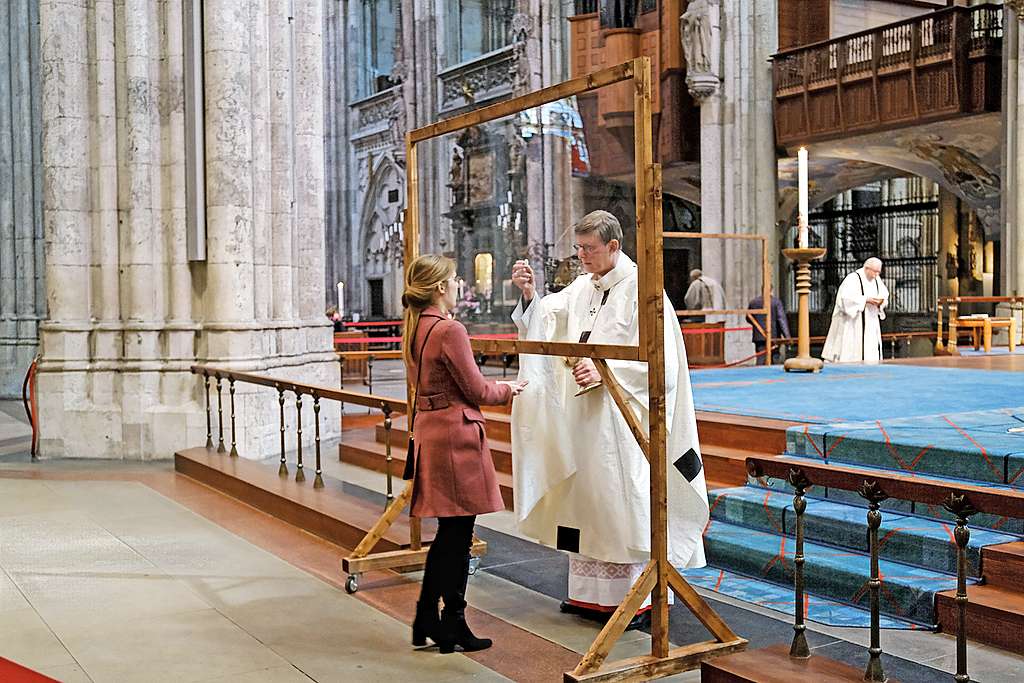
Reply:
x=780, y=326
x=855, y=335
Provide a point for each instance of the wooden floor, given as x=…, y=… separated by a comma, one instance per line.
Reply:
x=1005, y=363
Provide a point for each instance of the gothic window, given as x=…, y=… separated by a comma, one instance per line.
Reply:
x=378, y=33
x=476, y=27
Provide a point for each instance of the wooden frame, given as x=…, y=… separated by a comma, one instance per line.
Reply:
x=766, y=284
x=659, y=576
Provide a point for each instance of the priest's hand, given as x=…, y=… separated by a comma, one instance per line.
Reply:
x=874, y=302
x=585, y=373
x=517, y=386
x=522, y=277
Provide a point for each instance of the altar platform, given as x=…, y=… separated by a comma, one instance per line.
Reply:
x=954, y=419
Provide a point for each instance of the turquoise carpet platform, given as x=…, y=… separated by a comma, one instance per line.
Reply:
x=853, y=393
x=883, y=417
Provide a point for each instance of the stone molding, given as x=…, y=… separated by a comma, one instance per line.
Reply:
x=1017, y=6
x=485, y=78
x=374, y=110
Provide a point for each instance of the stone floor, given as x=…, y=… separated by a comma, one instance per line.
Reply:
x=130, y=572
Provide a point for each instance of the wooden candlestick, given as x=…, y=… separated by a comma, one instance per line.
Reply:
x=803, y=361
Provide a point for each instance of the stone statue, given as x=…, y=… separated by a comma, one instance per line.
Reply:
x=695, y=29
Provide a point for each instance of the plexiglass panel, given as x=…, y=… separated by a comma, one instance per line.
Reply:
x=514, y=188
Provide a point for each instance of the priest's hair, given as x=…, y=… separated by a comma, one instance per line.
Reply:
x=423, y=280
x=873, y=262
x=603, y=223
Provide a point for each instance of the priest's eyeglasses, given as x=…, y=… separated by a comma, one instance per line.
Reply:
x=587, y=248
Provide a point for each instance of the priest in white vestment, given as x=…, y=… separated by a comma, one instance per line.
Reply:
x=582, y=483
x=855, y=335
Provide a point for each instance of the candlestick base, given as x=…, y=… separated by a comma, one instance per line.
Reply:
x=807, y=364
x=803, y=362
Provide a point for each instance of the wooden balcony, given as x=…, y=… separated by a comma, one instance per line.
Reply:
x=935, y=66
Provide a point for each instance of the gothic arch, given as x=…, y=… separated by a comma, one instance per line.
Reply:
x=381, y=235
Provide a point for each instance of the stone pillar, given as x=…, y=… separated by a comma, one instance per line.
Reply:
x=128, y=313
x=1012, y=247
x=727, y=46
x=22, y=298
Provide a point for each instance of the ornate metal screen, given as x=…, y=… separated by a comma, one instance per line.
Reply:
x=896, y=220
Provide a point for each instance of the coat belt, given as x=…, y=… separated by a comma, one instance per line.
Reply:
x=432, y=402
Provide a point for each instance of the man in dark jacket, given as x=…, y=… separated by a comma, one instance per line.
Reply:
x=780, y=326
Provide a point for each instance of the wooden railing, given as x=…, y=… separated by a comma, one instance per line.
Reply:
x=960, y=500
x=937, y=65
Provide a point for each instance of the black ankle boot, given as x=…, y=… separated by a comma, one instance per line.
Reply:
x=426, y=624
x=455, y=631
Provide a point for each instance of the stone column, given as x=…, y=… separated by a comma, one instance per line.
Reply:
x=1013, y=151
x=22, y=299
x=727, y=46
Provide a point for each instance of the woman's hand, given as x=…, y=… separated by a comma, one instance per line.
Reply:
x=517, y=386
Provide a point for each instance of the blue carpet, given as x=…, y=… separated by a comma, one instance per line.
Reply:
x=780, y=599
x=847, y=393
x=913, y=540
x=976, y=446
x=841, y=575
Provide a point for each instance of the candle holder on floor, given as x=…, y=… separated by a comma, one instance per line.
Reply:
x=803, y=362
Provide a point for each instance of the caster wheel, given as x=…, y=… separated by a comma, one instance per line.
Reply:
x=351, y=584
x=474, y=564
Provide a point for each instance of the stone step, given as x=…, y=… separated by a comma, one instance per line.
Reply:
x=1003, y=565
x=774, y=665
x=335, y=513
x=995, y=616
x=359, y=447
x=838, y=574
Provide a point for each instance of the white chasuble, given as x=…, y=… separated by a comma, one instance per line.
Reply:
x=855, y=334
x=581, y=481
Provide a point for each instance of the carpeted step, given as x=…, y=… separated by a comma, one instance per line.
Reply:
x=909, y=539
x=974, y=446
x=907, y=592
x=780, y=598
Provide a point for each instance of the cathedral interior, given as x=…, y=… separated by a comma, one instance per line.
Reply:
x=208, y=214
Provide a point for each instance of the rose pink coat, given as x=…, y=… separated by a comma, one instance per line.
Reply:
x=454, y=471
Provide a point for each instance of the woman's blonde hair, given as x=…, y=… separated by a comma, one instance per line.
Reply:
x=422, y=278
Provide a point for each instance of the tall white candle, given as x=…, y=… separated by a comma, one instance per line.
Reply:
x=341, y=299
x=802, y=190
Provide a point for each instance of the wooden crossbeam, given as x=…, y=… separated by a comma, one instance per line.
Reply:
x=647, y=667
x=406, y=558
x=619, y=396
x=618, y=622
x=384, y=523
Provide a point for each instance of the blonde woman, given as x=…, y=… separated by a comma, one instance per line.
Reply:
x=451, y=462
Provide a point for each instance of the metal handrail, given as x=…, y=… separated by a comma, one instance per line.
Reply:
x=875, y=486
x=388, y=406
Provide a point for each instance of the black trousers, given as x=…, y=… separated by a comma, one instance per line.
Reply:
x=447, y=569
